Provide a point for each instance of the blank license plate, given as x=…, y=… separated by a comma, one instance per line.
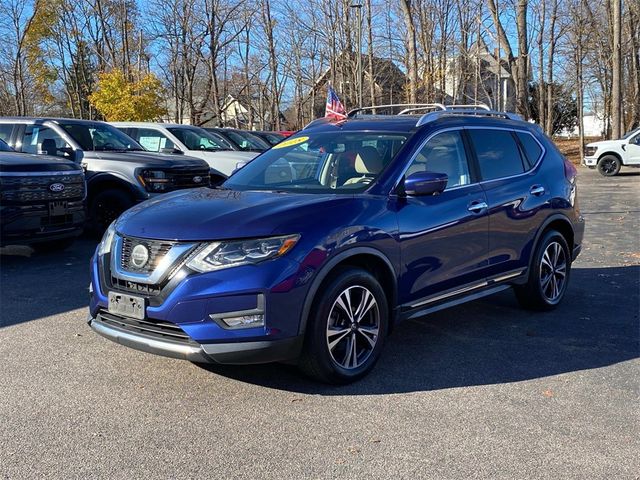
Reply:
x=126, y=305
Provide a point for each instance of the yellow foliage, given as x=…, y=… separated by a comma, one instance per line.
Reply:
x=119, y=99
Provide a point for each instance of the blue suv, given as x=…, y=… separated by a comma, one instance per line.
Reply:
x=314, y=251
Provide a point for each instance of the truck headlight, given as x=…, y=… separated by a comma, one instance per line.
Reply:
x=154, y=180
x=590, y=151
x=219, y=255
x=107, y=239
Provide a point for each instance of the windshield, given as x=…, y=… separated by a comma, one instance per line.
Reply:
x=198, y=139
x=100, y=137
x=334, y=162
x=248, y=141
x=4, y=147
x=630, y=134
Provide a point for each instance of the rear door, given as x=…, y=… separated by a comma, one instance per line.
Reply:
x=443, y=238
x=516, y=194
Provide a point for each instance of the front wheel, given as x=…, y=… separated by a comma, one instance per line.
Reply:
x=347, y=328
x=548, y=276
x=609, y=165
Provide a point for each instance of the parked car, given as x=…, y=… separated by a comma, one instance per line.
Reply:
x=389, y=218
x=119, y=172
x=609, y=156
x=189, y=140
x=241, y=139
x=272, y=138
x=41, y=200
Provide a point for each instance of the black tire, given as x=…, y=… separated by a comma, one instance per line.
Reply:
x=609, y=165
x=542, y=292
x=105, y=207
x=53, y=245
x=317, y=359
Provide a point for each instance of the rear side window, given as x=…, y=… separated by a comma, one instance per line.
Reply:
x=532, y=150
x=5, y=131
x=498, y=153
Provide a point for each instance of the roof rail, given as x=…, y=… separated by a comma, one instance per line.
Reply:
x=408, y=107
x=458, y=110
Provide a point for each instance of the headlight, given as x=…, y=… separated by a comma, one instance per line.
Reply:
x=107, y=239
x=590, y=151
x=154, y=180
x=219, y=255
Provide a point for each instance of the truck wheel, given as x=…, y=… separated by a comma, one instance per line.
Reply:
x=347, y=328
x=53, y=245
x=609, y=165
x=105, y=207
x=548, y=276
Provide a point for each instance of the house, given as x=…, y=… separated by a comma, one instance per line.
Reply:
x=388, y=83
x=479, y=77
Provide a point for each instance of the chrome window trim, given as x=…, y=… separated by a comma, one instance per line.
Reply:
x=474, y=127
x=173, y=256
x=41, y=174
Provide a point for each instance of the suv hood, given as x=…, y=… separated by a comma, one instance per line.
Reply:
x=208, y=214
x=24, y=162
x=148, y=159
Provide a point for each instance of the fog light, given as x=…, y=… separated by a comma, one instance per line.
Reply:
x=244, y=321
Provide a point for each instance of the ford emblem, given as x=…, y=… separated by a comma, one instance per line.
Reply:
x=197, y=179
x=56, y=187
x=139, y=256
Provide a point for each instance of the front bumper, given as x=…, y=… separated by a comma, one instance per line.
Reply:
x=590, y=162
x=236, y=353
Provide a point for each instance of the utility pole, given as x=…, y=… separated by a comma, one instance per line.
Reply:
x=616, y=88
x=358, y=7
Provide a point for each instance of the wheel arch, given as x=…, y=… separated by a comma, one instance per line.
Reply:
x=367, y=258
x=562, y=225
x=102, y=182
x=613, y=153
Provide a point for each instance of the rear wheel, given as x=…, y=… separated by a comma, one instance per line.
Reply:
x=549, y=274
x=346, y=329
x=105, y=207
x=609, y=165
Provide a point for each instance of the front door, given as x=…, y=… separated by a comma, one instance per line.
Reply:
x=443, y=238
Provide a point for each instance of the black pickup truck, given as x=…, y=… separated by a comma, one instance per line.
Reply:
x=119, y=172
x=41, y=200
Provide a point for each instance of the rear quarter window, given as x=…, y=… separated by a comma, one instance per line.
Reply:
x=531, y=148
x=497, y=152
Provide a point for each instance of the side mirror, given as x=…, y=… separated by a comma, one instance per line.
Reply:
x=425, y=183
x=174, y=151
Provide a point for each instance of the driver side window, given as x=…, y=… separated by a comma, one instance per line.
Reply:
x=444, y=153
x=42, y=140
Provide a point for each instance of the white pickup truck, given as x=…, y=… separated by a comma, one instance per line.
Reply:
x=608, y=156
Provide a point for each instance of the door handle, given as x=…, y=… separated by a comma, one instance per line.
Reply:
x=477, y=206
x=537, y=190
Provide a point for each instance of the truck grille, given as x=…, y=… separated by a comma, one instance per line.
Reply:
x=157, y=251
x=151, y=328
x=27, y=188
x=189, y=178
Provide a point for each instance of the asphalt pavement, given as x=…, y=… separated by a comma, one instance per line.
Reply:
x=484, y=390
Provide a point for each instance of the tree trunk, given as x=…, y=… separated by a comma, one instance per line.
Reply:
x=411, y=50
x=616, y=87
x=522, y=77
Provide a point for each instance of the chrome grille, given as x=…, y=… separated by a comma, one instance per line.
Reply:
x=157, y=251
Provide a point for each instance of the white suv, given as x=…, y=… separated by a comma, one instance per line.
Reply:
x=187, y=139
x=608, y=156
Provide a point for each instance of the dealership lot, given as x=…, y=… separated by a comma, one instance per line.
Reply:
x=482, y=390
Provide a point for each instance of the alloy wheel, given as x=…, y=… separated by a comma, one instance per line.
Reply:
x=353, y=327
x=553, y=272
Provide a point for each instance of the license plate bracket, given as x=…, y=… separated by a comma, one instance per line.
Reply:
x=58, y=207
x=127, y=305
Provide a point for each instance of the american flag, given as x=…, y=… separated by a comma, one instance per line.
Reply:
x=334, y=107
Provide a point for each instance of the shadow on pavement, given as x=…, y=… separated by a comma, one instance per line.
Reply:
x=34, y=285
x=492, y=341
